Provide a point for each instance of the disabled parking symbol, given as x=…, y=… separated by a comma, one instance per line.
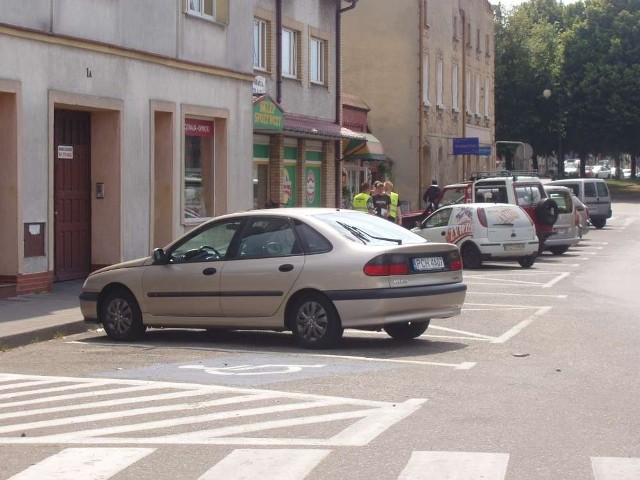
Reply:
x=251, y=370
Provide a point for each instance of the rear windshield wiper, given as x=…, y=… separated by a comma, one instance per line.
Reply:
x=362, y=235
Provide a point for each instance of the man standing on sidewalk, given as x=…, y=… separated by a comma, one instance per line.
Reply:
x=395, y=214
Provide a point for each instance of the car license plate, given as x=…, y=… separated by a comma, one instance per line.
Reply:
x=514, y=247
x=428, y=263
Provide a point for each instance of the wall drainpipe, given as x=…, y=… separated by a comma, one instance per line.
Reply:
x=338, y=143
x=279, y=51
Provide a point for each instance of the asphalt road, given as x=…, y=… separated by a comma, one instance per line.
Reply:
x=537, y=379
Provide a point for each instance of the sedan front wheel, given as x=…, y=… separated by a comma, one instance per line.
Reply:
x=315, y=322
x=120, y=316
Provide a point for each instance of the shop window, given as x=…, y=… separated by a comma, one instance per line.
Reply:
x=198, y=169
x=260, y=183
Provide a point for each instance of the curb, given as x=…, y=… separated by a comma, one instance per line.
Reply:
x=43, y=334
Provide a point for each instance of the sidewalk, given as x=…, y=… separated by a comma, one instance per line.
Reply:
x=41, y=316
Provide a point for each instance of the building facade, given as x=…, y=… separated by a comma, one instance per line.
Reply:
x=297, y=131
x=122, y=125
x=426, y=69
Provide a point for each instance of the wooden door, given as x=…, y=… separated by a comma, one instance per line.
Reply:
x=72, y=195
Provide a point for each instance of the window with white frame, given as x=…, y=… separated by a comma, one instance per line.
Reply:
x=259, y=44
x=425, y=80
x=317, y=60
x=202, y=8
x=289, y=53
x=477, y=98
x=487, y=97
x=467, y=103
x=439, y=82
x=454, y=87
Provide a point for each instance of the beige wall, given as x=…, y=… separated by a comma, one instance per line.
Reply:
x=11, y=233
x=106, y=234
x=384, y=47
x=163, y=162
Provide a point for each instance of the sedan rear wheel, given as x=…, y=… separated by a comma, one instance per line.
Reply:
x=120, y=316
x=315, y=322
x=407, y=330
x=558, y=250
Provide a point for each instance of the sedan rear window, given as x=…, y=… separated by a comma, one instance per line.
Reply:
x=368, y=229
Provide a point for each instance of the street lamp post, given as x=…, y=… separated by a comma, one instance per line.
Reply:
x=547, y=94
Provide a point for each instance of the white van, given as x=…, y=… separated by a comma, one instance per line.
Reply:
x=594, y=193
x=496, y=231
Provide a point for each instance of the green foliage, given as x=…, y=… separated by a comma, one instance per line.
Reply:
x=588, y=55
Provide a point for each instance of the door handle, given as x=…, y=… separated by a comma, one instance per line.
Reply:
x=209, y=271
x=287, y=267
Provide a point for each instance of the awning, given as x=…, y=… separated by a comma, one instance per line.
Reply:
x=301, y=126
x=368, y=149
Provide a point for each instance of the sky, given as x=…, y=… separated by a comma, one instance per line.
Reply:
x=513, y=3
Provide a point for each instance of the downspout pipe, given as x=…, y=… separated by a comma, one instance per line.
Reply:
x=338, y=143
x=279, y=51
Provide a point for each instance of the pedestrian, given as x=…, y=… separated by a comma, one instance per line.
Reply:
x=381, y=201
x=430, y=197
x=395, y=214
x=362, y=201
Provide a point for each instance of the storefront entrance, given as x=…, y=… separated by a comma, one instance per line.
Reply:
x=72, y=195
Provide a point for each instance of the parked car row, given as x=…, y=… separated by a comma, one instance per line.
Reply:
x=493, y=217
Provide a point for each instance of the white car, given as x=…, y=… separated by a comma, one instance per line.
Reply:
x=313, y=271
x=496, y=231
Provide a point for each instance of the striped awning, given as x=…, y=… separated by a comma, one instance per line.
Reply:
x=368, y=149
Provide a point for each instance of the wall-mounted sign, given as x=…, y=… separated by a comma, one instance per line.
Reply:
x=466, y=146
x=198, y=128
x=267, y=115
x=259, y=85
x=485, y=151
x=65, y=151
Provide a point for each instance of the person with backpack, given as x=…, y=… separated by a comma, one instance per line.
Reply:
x=430, y=197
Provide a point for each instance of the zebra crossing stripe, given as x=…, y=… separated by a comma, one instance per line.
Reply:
x=456, y=466
x=84, y=463
x=615, y=468
x=286, y=464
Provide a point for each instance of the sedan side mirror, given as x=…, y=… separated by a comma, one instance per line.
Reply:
x=159, y=256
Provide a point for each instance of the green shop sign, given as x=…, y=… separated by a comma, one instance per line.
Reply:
x=267, y=115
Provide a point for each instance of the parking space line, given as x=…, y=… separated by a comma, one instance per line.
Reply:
x=496, y=294
x=512, y=332
x=562, y=276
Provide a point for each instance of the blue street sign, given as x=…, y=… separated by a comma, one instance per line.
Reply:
x=485, y=151
x=466, y=146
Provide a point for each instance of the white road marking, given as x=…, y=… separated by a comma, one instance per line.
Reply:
x=519, y=295
x=371, y=418
x=615, y=468
x=249, y=370
x=562, y=276
x=266, y=464
x=512, y=332
x=456, y=466
x=84, y=463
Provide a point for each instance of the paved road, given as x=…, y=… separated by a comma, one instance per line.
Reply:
x=537, y=379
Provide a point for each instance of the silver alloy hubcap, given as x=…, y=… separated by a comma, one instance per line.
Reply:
x=312, y=321
x=119, y=315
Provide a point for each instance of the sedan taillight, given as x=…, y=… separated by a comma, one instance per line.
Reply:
x=384, y=265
